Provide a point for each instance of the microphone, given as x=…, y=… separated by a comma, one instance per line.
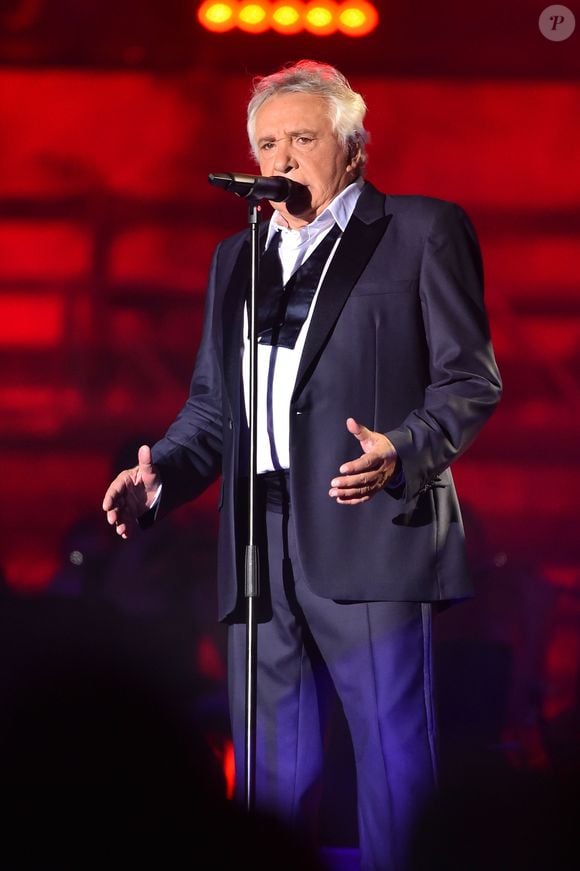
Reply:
x=258, y=187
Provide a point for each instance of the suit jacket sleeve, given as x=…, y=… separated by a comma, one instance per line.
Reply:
x=189, y=456
x=465, y=384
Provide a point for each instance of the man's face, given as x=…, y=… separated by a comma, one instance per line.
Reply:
x=295, y=139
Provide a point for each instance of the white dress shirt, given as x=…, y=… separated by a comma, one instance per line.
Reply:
x=277, y=367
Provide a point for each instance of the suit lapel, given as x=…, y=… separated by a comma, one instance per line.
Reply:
x=359, y=240
x=233, y=316
x=232, y=321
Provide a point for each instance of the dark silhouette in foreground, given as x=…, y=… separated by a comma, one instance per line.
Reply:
x=101, y=756
x=493, y=816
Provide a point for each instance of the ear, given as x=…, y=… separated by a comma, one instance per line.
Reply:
x=353, y=157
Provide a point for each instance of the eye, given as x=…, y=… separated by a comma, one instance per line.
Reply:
x=266, y=146
x=304, y=141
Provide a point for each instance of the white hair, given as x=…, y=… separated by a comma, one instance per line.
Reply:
x=346, y=108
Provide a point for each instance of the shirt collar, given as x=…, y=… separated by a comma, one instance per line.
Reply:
x=338, y=211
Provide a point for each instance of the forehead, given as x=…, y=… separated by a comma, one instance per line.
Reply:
x=292, y=112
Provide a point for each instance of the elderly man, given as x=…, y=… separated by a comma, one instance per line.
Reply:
x=375, y=372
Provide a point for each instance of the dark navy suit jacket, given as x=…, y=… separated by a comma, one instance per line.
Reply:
x=400, y=341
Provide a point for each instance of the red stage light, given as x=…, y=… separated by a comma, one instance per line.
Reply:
x=218, y=15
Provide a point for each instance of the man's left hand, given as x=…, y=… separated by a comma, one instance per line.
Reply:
x=362, y=478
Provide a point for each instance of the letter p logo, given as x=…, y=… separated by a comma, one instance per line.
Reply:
x=557, y=23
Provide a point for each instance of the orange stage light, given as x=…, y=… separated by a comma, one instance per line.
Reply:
x=287, y=16
x=254, y=16
x=357, y=18
x=217, y=15
x=320, y=17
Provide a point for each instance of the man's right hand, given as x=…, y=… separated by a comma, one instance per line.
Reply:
x=131, y=494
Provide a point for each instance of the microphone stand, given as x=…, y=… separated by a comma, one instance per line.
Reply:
x=254, y=188
x=252, y=580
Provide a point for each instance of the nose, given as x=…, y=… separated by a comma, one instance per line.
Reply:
x=284, y=161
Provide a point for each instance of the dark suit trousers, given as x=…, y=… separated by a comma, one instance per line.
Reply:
x=378, y=656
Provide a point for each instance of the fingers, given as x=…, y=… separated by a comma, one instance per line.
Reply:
x=129, y=495
x=114, y=505
x=361, y=478
x=357, y=483
x=356, y=429
x=122, y=530
x=145, y=460
x=353, y=496
x=354, y=489
x=364, y=463
x=350, y=497
x=121, y=502
x=147, y=474
x=115, y=492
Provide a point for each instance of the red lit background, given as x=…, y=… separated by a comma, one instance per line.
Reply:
x=112, y=115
